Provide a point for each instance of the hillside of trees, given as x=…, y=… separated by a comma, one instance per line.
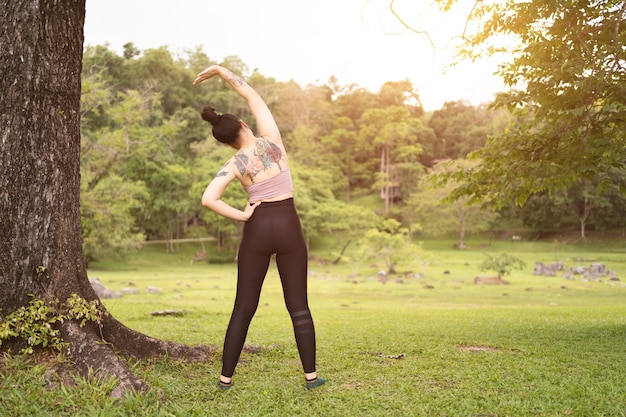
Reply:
x=359, y=158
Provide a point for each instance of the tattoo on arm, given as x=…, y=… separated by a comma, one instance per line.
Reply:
x=224, y=171
x=235, y=80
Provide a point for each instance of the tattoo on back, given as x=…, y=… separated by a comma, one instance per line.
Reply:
x=241, y=161
x=268, y=152
x=261, y=158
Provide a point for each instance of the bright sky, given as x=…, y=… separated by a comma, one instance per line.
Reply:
x=358, y=41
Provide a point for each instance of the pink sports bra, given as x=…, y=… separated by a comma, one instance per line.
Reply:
x=271, y=187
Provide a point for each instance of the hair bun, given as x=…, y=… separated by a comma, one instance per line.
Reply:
x=209, y=114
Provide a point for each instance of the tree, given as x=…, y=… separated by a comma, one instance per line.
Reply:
x=584, y=198
x=588, y=201
x=41, y=250
x=110, y=128
x=295, y=107
x=353, y=101
x=389, y=243
x=343, y=221
x=127, y=133
x=394, y=134
x=503, y=264
x=400, y=93
x=567, y=82
x=544, y=211
x=339, y=151
x=461, y=128
x=107, y=219
x=313, y=190
x=428, y=207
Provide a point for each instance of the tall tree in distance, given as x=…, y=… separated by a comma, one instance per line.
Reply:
x=394, y=134
x=41, y=252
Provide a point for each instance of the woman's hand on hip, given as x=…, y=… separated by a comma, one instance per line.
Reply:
x=250, y=209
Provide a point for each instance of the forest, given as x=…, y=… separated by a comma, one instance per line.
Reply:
x=361, y=160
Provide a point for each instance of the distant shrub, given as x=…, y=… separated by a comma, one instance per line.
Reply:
x=224, y=258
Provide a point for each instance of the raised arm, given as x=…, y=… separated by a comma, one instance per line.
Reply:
x=265, y=121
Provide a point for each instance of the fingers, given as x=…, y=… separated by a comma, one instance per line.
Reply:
x=205, y=75
x=253, y=207
x=201, y=77
x=249, y=210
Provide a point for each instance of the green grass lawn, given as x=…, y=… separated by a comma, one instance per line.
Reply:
x=437, y=345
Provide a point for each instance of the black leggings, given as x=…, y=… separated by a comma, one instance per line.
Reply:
x=273, y=228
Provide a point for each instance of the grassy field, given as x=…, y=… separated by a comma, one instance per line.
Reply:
x=437, y=345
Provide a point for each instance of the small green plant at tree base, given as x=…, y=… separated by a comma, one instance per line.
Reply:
x=33, y=323
x=77, y=308
x=502, y=264
x=36, y=323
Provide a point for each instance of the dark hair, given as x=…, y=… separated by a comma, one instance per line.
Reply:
x=226, y=126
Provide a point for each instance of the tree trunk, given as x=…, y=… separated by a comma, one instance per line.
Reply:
x=583, y=233
x=587, y=207
x=462, y=235
x=390, y=194
x=41, y=243
x=385, y=190
x=343, y=251
x=461, y=212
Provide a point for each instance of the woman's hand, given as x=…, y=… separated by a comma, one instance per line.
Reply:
x=247, y=212
x=210, y=72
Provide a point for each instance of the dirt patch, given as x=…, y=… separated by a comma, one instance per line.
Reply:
x=478, y=348
x=383, y=355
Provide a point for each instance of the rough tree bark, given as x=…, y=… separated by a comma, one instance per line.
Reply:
x=40, y=230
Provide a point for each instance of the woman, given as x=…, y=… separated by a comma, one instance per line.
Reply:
x=272, y=224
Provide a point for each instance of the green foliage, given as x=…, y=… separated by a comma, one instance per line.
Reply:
x=109, y=227
x=339, y=149
x=222, y=258
x=502, y=264
x=567, y=82
x=147, y=156
x=344, y=222
x=36, y=323
x=392, y=134
x=389, y=243
x=33, y=323
x=439, y=215
x=77, y=308
x=584, y=203
x=460, y=128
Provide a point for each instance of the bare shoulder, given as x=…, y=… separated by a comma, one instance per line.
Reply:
x=239, y=162
x=233, y=168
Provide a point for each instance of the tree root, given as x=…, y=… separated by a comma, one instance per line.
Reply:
x=134, y=344
x=92, y=357
x=100, y=354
